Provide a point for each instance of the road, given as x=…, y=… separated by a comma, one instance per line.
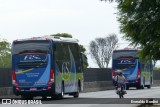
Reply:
x=154, y=92
x=101, y=99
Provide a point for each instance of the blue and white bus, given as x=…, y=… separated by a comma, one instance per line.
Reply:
x=46, y=66
x=137, y=74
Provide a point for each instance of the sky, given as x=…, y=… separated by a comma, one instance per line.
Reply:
x=85, y=20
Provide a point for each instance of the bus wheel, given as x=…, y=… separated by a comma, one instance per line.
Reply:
x=76, y=95
x=142, y=86
x=138, y=87
x=148, y=86
x=61, y=95
x=127, y=88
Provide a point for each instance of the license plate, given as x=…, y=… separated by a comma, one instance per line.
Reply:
x=119, y=89
x=33, y=89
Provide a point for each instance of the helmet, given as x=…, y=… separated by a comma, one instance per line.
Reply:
x=120, y=73
x=118, y=70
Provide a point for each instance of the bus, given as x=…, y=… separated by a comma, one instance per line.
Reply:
x=137, y=73
x=46, y=66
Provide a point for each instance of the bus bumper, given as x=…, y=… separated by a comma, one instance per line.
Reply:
x=41, y=91
x=131, y=84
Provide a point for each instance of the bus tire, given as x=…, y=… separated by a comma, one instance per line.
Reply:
x=61, y=95
x=54, y=97
x=138, y=87
x=76, y=95
x=142, y=86
x=148, y=86
x=127, y=88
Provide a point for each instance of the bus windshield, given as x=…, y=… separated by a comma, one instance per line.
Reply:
x=124, y=54
x=31, y=54
x=124, y=63
x=21, y=47
x=124, y=59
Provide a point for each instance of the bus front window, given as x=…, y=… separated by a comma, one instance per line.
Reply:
x=21, y=47
x=31, y=54
x=119, y=65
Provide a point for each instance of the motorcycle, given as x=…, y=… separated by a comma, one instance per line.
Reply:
x=120, y=90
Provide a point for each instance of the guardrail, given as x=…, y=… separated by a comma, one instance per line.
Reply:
x=90, y=75
x=5, y=77
x=95, y=79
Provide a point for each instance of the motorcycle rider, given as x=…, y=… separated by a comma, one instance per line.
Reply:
x=120, y=79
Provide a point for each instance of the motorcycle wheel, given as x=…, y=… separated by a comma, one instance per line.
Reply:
x=120, y=95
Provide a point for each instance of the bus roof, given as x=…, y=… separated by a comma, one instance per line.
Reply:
x=54, y=38
x=128, y=49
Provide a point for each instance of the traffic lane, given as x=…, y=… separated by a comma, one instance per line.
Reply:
x=110, y=97
x=101, y=101
x=154, y=92
x=69, y=100
x=102, y=97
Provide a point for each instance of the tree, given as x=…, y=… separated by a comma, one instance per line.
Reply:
x=101, y=49
x=156, y=69
x=5, y=54
x=84, y=57
x=62, y=35
x=82, y=49
x=140, y=21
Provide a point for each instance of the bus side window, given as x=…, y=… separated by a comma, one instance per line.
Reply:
x=83, y=60
x=54, y=47
x=62, y=55
x=58, y=55
x=75, y=53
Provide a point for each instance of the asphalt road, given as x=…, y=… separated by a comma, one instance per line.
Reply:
x=106, y=98
x=154, y=92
